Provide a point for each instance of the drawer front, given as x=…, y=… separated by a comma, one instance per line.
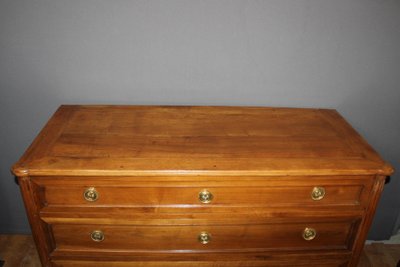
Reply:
x=306, y=193
x=203, y=238
x=283, y=261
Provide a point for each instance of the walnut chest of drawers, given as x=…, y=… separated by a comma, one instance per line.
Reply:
x=199, y=186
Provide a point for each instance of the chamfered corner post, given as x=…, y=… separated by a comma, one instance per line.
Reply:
x=43, y=245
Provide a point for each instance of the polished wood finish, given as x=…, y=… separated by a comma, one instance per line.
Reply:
x=224, y=238
x=20, y=250
x=137, y=140
x=246, y=192
x=146, y=166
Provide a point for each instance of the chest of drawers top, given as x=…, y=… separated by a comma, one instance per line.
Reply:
x=183, y=140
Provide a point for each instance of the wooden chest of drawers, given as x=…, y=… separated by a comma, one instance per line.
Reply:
x=199, y=186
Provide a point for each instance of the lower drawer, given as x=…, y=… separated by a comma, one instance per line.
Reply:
x=272, y=260
x=108, y=239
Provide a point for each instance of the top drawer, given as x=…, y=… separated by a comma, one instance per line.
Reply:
x=245, y=192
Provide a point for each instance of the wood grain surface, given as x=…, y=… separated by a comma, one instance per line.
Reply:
x=138, y=140
x=20, y=251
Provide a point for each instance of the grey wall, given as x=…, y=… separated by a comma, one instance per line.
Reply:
x=342, y=54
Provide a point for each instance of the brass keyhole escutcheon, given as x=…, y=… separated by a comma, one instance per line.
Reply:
x=97, y=236
x=318, y=193
x=309, y=233
x=205, y=196
x=91, y=194
x=204, y=238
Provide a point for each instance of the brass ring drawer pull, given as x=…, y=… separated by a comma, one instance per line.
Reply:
x=205, y=196
x=91, y=194
x=204, y=238
x=318, y=193
x=309, y=233
x=97, y=236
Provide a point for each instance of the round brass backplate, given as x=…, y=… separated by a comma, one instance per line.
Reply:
x=91, y=194
x=205, y=196
x=204, y=238
x=318, y=193
x=309, y=233
x=97, y=235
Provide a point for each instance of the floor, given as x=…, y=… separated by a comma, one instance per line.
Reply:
x=380, y=255
x=19, y=251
